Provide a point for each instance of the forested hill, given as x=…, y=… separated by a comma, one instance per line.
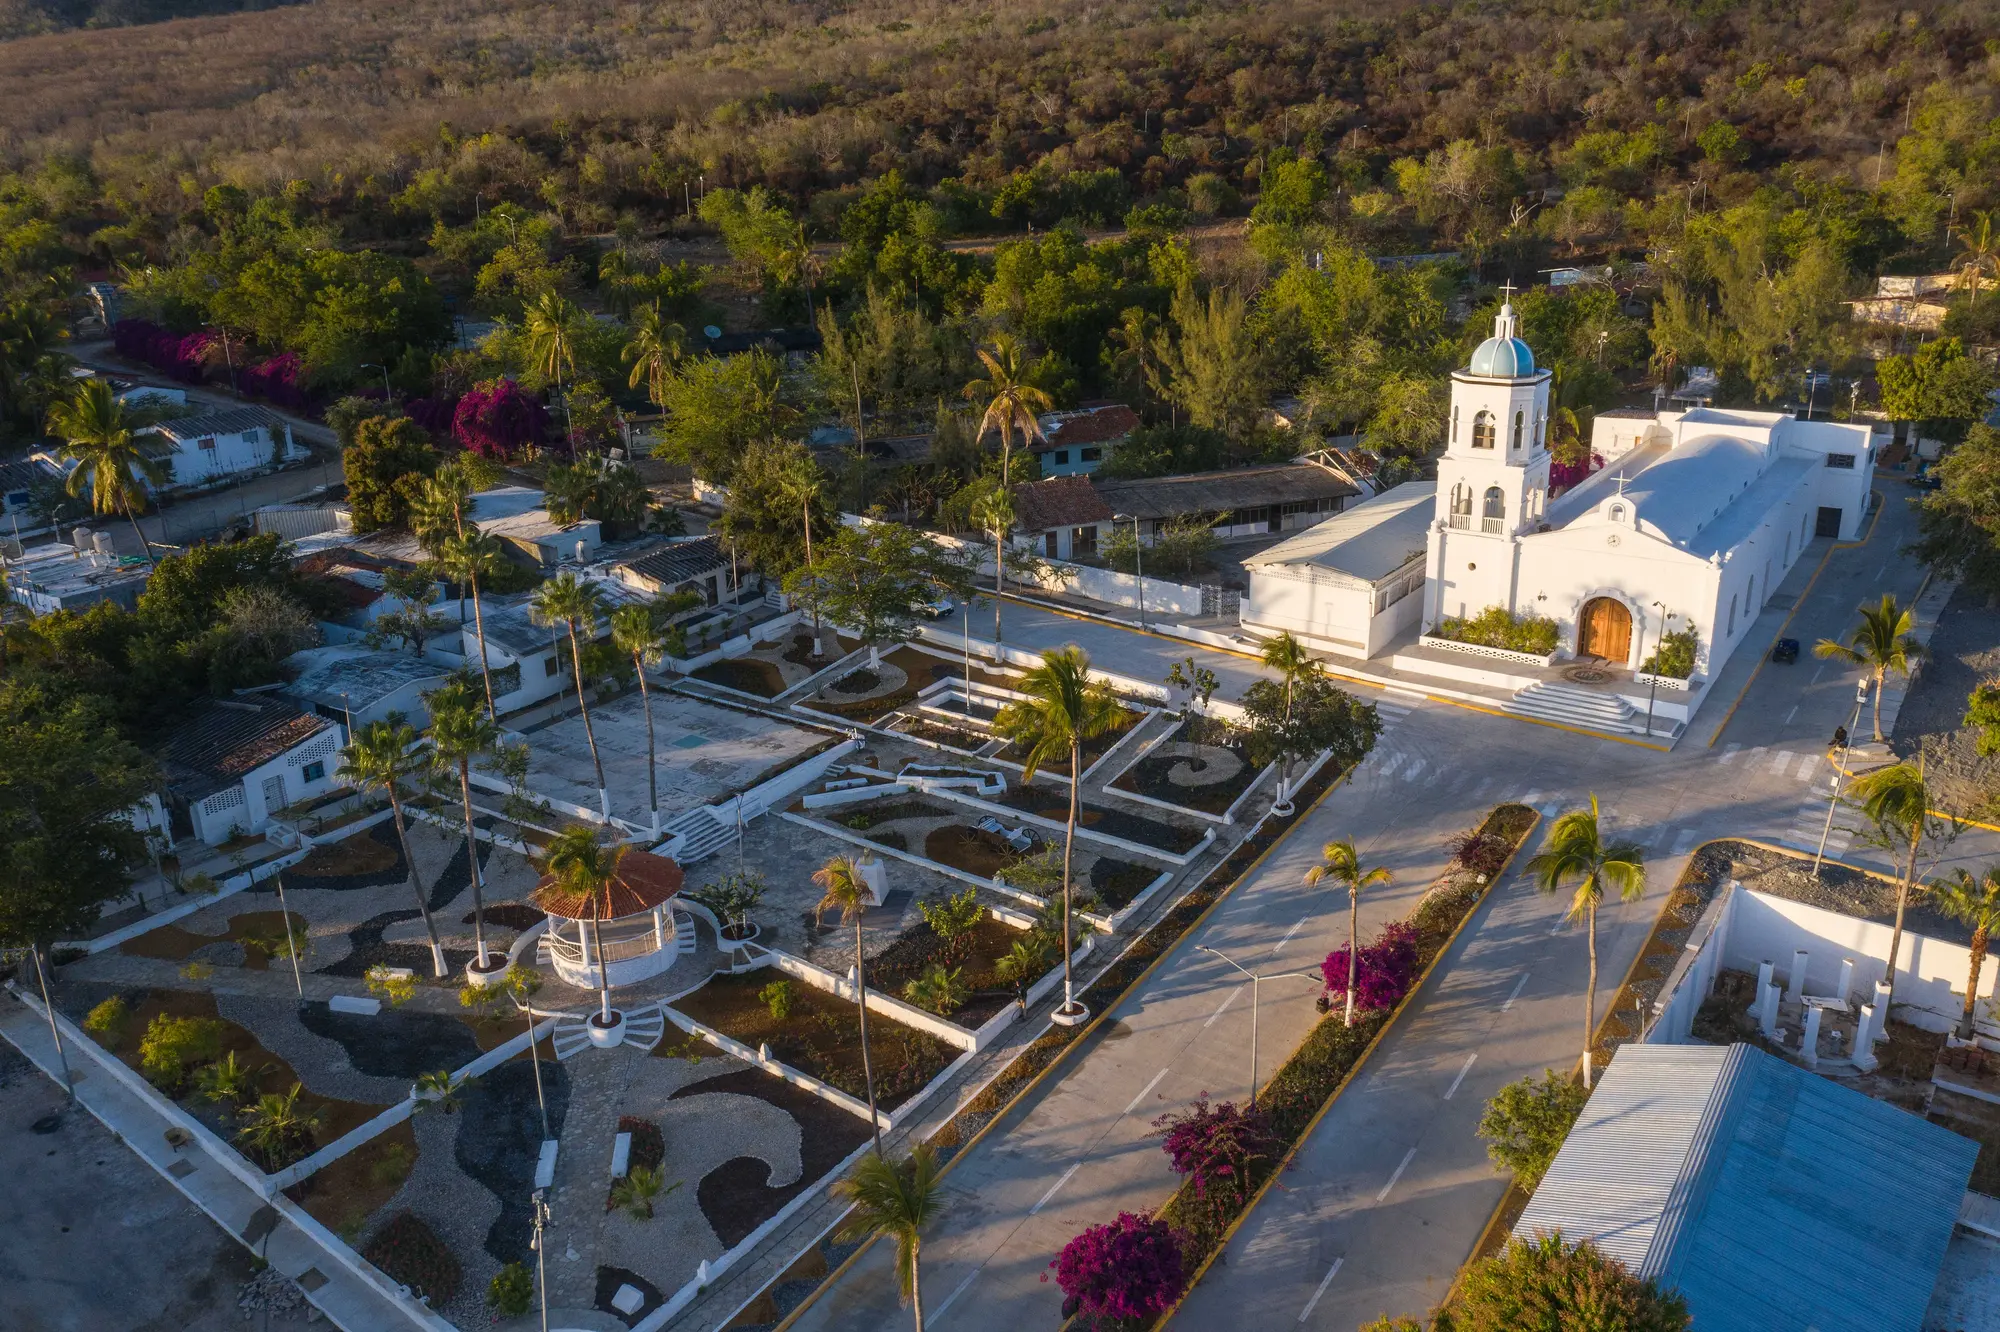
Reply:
x=28, y=18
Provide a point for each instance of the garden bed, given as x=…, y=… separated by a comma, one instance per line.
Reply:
x=734, y=1197
x=939, y=733
x=1094, y=748
x=871, y=816
x=1053, y=803
x=747, y=675
x=920, y=948
x=972, y=850
x=799, y=650
x=1178, y=773
x=821, y=1036
x=1116, y=884
x=366, y=859
x=173, y=943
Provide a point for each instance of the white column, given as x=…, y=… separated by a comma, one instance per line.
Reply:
x=1809, y=1044
x=1763, y=984
x=659, y=930
x=1879, y=1031
x=1795, y=984
x=1767, y=1019
x=1845, y=990
x=1862, y=1054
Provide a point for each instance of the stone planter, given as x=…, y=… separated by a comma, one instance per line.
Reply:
x=734, y=941
x=606, y=1037
x=1075, y=1017
x=496, y=969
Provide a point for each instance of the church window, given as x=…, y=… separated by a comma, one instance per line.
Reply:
x=1732, y=617
x=1454, y=423
x=1483, y=431
x=1496, y=510
x=1461, y=506
x=1617, y=513
x=1520, y=420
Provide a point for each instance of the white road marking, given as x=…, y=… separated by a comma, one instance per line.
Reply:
x=1324, y=1282
x=1793, y=713
x=957, y=1291
x=1389, y=768
x=1729, y=755
x=1145, y=1091
x=1781, y=760
x=1806, y=766
x=1276, y=947
x=1410, y=773
x=1407, y=1158
x=1461, y=1074
x=1531, y=797
x=1484, y=782
x=1816, y=674
x=1225, y=1006
x=1519, y=986
x=1053, y=1187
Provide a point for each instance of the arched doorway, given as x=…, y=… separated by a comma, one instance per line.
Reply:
x=1604, y=629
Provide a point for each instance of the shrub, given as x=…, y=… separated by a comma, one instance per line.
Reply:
x=108, y=1019
x=1496, y=627
x=1217, y=1149
x=409, y=1252
x=1131, y=1268
x=396, y=990
x=277, y=1130
x=1387, y=967
x=1525, y=1123
x=649, y=1146
x=392, y=1167
x=172, y=1044
x=942, y=992
x=496, y=419
x=511, y=1293
x=1674, y=657
x=227, y=1082
x=777, y=996
x=953, y=919
x=636, y=1192
x=1545, y=1284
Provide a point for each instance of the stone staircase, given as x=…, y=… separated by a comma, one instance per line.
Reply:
x=696, y=834
x=1573, y=706
x=643, y=1029
x=686, y=941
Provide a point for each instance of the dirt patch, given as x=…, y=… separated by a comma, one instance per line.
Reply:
x=747, y=675
x=345, y=1193
x=951, y=737
x=920, y=948
x=1837, y=888
x=1053, y=803
x=799, y=651
x=1115, y=883
x=511, y=915
x=973, y=850
x=735, y=1198
x=173, y=943
x=372, y=856
x=821, y=1036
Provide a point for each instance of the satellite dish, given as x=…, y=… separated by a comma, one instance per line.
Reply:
x=711, y=330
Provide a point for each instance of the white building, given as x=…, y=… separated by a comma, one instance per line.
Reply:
x=210, y=446
x=519, y=517
x=234, y=763
x=1693, y=522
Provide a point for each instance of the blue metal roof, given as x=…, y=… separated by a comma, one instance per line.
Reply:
x=1794, y=1204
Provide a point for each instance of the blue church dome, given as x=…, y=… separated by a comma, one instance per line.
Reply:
x=1503, y=356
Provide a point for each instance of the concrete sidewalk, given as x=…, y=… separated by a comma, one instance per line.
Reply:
x=274, y=1233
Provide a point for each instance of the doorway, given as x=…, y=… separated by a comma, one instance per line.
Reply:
x=1829, y=523
x=1604, y=630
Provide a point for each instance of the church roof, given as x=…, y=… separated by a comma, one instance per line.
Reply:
x=1502, y=356
x=1368, y=542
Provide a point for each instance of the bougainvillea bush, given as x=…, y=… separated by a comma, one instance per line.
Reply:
x=1564, y=475
x=433, y=414
x=1387, y=967
x=497, y=419
x=281, y=379
x=1216, y=1149
x=1128, y=1270
x=182, y=356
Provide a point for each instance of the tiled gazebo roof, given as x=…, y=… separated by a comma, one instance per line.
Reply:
x=642, y=882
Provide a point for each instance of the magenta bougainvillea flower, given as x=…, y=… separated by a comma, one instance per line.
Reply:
x=1387, y=967
x=496, y=419
x=1131, y=1268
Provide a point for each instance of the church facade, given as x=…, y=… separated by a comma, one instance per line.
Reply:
x=1692, y=523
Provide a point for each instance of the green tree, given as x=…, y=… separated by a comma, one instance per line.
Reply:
x=776, y=498
x=1409, y=416
x=1315, y=716
x=1579, y=854
x=461, y=731
x=101, y=443
x=1525, y=1123
x=1937, y=386
x=640, y=632
x=1896, y=801
x=1547, y=1285
x=1959, y=523
x=383, y=756
x=573, y=603
x=1974, y=903
x=1212, y=364
x=278, y=1130
x=716, y=407
x=1879, y=644
x=385, y=469
x=1012, y=402
x=1064, y=706
x=842, y=888
x=654, y=348
x=897, y=1199
x=467, y=559
x=1341, y=864
x=878, y=577
x=580, y=865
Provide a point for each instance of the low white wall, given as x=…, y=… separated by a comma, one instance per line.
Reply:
x=1491, y=676
x=1482, y=650
x=1013, y=656
x=1121, y=589
x=889, y=1007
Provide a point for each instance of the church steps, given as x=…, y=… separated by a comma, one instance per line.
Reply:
x=1576, y=707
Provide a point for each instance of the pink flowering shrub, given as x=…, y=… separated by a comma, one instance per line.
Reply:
x=1130, y=1269
x=1387, y=967
x=176, y=355
x=433, y=414
x=1562, y=476
x=497, y=419
x=1216, y=1149
x=281, y=379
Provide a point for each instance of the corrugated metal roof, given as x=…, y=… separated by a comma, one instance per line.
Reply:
x=1369, y=541
x=1770, y=1197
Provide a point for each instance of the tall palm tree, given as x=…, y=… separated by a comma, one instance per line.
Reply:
x=459, y=733
x=1064, y=707
x=1973, y=902
x=382, y=756
x=800, y=482
x=1011, y=402
x=465, y=559
x=1897, y=801
x=641, y=631
x=842, y=886
x=898, y=1199
x=569, y=601
x=584, y=865
x=1341, y=863
x=653, y=349
x=550, y=327
x=98, y=435
x=1578, y=854
x=1289, y=658
x=993, y=510
x=1881, y=643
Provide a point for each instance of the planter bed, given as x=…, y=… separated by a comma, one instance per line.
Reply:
x=1151, y=775
x=799, y=650
x=822, y=1037
x=746, y=675
x=869, y=816
x=172, y=943
x=973, y=851
x=343, y=1194
x=1094, y=748
x=365, y=860
x=734, y=1197
x=1115, y=883
x=919, y=948
x=951, y=737
x=1053, y=803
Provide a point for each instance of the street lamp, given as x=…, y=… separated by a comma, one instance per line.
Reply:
x=539, y=1243
x=1254, y=981
x=370, y=365
x=1653, y=688
x=1138, y=563
x=1839, y=770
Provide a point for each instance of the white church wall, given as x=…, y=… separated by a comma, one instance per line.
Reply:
x=1563, y=570
x=1333, y=615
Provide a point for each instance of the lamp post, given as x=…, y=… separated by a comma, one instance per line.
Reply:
x=1653, y=685
x=540, y=1221
x=228, y=355
x=371, y=365
x=1138, y=561
x=1255, y=980
x=1839, y=770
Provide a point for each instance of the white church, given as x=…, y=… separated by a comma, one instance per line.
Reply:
x=1692, y=522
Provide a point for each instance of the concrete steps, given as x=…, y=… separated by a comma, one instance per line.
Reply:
x=699, y=835
x=643, y=1029
x=1573, y=706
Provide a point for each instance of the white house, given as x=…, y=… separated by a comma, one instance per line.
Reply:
x=1351, y=584
x=235, y=762
x=529, y=662
x=207, y=447
x=56, y=576
x=1692, y=524
x=519, y=517
x=361, y=685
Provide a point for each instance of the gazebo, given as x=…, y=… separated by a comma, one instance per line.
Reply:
x=619, y=936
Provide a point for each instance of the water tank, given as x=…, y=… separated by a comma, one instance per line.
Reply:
x=101, y=543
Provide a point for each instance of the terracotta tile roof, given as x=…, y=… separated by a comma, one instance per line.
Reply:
x=641, y=882
x=1094, y=426
x=1061, y=501
x=221, y=739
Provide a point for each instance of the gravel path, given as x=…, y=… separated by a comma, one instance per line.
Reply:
x=1965, y=650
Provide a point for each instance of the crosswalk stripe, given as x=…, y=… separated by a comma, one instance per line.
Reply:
x=1781, y=760
x=1806, y=766
x=1411, y=773
x=1683, y=840
x=1393, y=762
x=1729, y=755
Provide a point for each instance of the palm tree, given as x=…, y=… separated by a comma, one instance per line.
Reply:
x=1011, y=402
x=640, y=631
x=1064, y=707
x=1579, y=854
x=1979, y=250
x=550, y=329
x=277, y=1125
x=586, y=866
x=97, y=434
x=459, y=733
x=569, y=601
x=1023, y=963
x=898, y=1199
x=1973, y=902
x=465, y=559
x=653, y=349
x=1340, y=862
x=1879, y=644
x=842, y=886
x=382, y=756
x=800, y=483
x=1897, y=800
x=993, y=510
x=1289, y=658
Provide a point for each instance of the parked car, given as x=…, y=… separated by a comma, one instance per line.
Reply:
x=940, y=608
x=1786, y=651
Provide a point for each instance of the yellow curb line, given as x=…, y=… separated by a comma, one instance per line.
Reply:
x=1846, y=771
x=1354, y=1070
x=1035, y=1082
x=1764, y=655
